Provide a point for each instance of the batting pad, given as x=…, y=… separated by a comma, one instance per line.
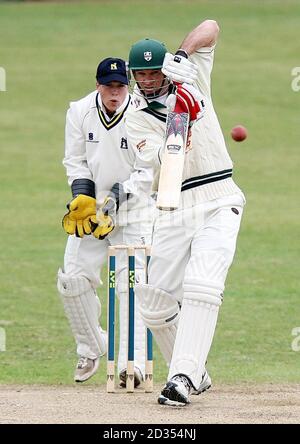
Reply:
x=160, y=313
x=83, y=310
x=203, y=292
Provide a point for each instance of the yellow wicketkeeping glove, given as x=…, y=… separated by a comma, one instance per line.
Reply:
x=77, y=220
x=103, y=223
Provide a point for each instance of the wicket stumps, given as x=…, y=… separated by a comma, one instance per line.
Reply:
x=112, y=251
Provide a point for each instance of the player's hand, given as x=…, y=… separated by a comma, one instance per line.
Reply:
x=101, y=225
x=179, y=69
x=108, y=208
x=186, y=99
x=77, y=220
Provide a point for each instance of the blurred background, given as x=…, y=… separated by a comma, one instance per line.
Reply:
x=49, y=52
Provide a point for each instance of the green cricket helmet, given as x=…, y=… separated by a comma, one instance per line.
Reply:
x=147, y=54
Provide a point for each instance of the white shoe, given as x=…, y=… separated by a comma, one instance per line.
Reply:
x=85, y=369
x=138, y=377
x=176, y=392
x=204, y=385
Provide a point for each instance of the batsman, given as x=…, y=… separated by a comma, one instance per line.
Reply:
x=193, y=245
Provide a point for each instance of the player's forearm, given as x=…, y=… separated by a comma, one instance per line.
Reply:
x=204, y=35
x=76, y=168
x=75, y=160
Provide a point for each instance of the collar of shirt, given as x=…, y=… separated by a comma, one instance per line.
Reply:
x=140, y=102
x=118, y=110
x=158, y=102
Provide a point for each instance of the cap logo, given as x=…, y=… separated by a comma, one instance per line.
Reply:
x=113, y=66
x=148, y=56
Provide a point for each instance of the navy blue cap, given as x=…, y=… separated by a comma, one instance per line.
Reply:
x=112, y=70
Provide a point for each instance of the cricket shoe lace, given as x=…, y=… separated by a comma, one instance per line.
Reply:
x=82, y=362
x=176, y=391
x=85, y=368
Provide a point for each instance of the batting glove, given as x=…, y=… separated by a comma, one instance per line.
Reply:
x=179, y=69
x=186, y=99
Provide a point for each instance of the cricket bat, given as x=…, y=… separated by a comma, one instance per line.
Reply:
x=170, y=179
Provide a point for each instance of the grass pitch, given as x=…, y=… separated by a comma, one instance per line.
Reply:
x=50, y=52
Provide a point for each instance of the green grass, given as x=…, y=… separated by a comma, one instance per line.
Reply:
x=50, y=53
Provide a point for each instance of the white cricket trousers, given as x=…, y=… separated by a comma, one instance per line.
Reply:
x=192, y=251
x=178, y=236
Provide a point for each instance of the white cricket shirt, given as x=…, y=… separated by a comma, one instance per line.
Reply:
x=208, y=166
x=97, y=148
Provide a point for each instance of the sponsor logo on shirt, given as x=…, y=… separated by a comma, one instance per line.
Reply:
x=137, y=102
x=141, y=145
x=124, y=145
x=189, y=141
x=91, y=138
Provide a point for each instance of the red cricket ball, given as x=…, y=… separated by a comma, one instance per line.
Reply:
x=239, y=133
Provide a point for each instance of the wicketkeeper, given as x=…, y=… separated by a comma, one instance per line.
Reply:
x=190, y=257
x=109, y=206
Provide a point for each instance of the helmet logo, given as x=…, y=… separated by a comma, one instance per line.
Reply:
x=148, y=56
